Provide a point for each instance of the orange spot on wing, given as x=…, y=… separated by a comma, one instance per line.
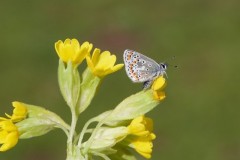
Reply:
x=128, y=57
x=135, y=76
x=130, y=66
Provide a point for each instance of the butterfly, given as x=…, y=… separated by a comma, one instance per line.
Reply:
x=140, y=68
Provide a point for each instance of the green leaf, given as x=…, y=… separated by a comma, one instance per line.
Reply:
x=106, y=138
x=39, y=121
x=33, y=127
x=69, y=83
x=133, y=106
x=89, y=87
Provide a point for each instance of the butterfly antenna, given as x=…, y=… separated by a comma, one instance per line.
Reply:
x=170, y=58
x=165, y=73
x=174, y=66
x=169, y=64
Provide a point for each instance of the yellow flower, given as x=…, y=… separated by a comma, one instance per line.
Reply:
x=102, y=64
x=141, y=126
x=158, y=85
x=141, y=129
x=8, y=135
x=19, y=112
x=71, y=50
x=143, y=145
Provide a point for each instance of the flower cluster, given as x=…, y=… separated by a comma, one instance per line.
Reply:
x=9, y=133
x=115, y=132
x=141, y=128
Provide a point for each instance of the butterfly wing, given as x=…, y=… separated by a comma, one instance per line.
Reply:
x=139, y=68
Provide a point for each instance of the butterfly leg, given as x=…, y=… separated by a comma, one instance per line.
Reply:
x=147, y=84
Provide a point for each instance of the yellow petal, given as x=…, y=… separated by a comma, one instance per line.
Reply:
x=144, y=148
x=145, y=155
x=152, y=136
x=8, y=135
x=117, y=67
x=159, y=83
x=80, y=55
x=102, y=64
x=159, y=95
x=105, y=54
x=3, y=119
x=85, y=45
x=90, y=47
x=95, y=56
x=90, y=64
x=82, y=52
x=20, y=108
x=8, y=126
x=67, y=41
x=10, y=142
x=58, y=47
x=140, y=126
x=149, y=124
x=104, y=61
x=19, y=112
x=75, y=44
x=111, y=61
x=71, y=50
x=3, y=135
x=135, y=129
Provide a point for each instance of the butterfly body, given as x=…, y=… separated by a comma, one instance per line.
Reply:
x=141, y=68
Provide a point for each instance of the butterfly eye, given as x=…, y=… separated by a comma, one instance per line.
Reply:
x=164, y=66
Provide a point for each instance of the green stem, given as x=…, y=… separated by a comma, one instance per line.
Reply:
x=72, y=130
x=75, y=154
x=101, y=155
x=90, y=140
x=84, y=131
x=65, y=131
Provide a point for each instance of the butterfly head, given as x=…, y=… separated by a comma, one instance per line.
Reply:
x=163, y=68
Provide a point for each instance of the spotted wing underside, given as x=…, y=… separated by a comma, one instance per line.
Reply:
x=139, y=68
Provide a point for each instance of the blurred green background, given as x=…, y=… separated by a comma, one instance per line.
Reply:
x=199, y=119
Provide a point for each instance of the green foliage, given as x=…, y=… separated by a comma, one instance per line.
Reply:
x=200, y=118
